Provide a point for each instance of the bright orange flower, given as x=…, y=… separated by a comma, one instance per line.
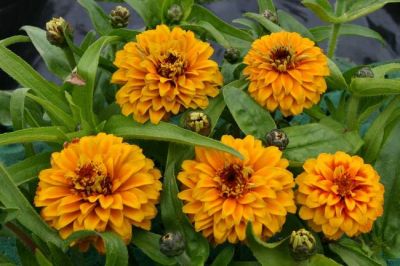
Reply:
x=99, y=183
x=339, y=193
x=286, y=71
x=222, y=192
x=163, y=72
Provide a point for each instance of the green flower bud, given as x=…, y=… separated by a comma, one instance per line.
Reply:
x=198, y=122
x=271, y=16
x=172, y=244
x=278, y=138
x=119, y=17
x=54, y=31
x=175, y=13
x=232, y=54
x=302, y=244
x=365, y=72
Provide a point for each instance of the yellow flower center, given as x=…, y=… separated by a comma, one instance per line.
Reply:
x=234, y=180
x=92, y=179
x=344, y=182
x=172, y=64
x=282, y=58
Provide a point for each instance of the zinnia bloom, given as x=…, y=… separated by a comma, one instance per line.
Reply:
x=222, y=193
x=163, y=72
x=286, y=71
x=99, y=183
x=339, y=193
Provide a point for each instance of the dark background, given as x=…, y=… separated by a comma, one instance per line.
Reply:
x=16, y=13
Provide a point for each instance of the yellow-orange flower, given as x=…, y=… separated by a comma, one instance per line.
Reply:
x=163, y=72
x=99, y=183
x=222, y=193
x=286, y=71
x=339, y=193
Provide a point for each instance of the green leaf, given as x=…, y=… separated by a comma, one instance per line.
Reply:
x=236, y=37
x=329, y=136
x=5, y=116
x=47, y=134
x=11, y=197
x=319, y=260
x=388, y=167
x=116, y=251
x=215, y=34
x=57, y=115
x=53, y=56
x=87, y=69
x=27, y=77
x=7, y=214
x=224, y=257
x=322, y=33
x=214, y=109
x=127, y=128
x=381, y=70
x=14, y=39
x=335, y=79
x=352, y=253
x=127, y=35
x=172, y=216
x=266, y=23
x=186, y=6
x=41, y=259
x=289, y=23
x=17, y=108
x=251, y=118
x=355, y=9
x=148, y=242
x=149, y=10
x=28, y=169
x=265, y=4
x=364, y=87
x=269, y=254
x=99, y=19
x=374, y=136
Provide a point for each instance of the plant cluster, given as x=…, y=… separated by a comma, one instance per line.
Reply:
x=150, y=151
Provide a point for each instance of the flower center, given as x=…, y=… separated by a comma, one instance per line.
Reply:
x=344, y=182
x=234, y=180
x=282, y=58
x=172, y=64
x=92, y=179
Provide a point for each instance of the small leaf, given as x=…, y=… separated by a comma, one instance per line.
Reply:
x=216, y=35
x=265, y=4
x=224, y=257
x=186, y=6
x=267, y=24
x=47, y=134
x=335, y=79
x=8, y=214
x=269, y=254
x=41, y=259
x=127, y=128
x=148, y=242
x=322, y=8
x=365, y=87
x=149, y=10
x=381, y=70
x=99, y=19
x=319, y=260
x=116, y=251
x=251, y=118
x=289, y=23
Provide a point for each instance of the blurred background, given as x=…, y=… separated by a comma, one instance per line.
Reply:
x=16, y=13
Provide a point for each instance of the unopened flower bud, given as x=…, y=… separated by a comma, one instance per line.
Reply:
x=175, y=13
x=119, y=17
x=278, y=138
x=302, y=244
x=198, y=122
x=365, y=72
x=172, y=244
x=54, y=31
x=271, y=15
x=232, y=55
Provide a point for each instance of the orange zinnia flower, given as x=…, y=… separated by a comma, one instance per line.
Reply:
x=163, y=72
x=339, y=193
x=222, y=193
x=99, y=183
x=286, y=71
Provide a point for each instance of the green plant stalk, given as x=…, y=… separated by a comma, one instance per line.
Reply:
x=333, y=39
x=352, y=112
x=14, y=39
x=70, y=56
x=22, y=236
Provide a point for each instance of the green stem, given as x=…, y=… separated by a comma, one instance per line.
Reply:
x=333, y=39
x=352, y=112
x=22, y=236
x=14, y=39
x=70, y=56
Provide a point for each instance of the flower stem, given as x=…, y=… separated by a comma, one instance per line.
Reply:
x=333, y=39
x=70, y=57
x=352, y=112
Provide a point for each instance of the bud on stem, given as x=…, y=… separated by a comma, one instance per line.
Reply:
x=172, y=244
x=302, y=244
x=55, y=29
x=119, y=17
